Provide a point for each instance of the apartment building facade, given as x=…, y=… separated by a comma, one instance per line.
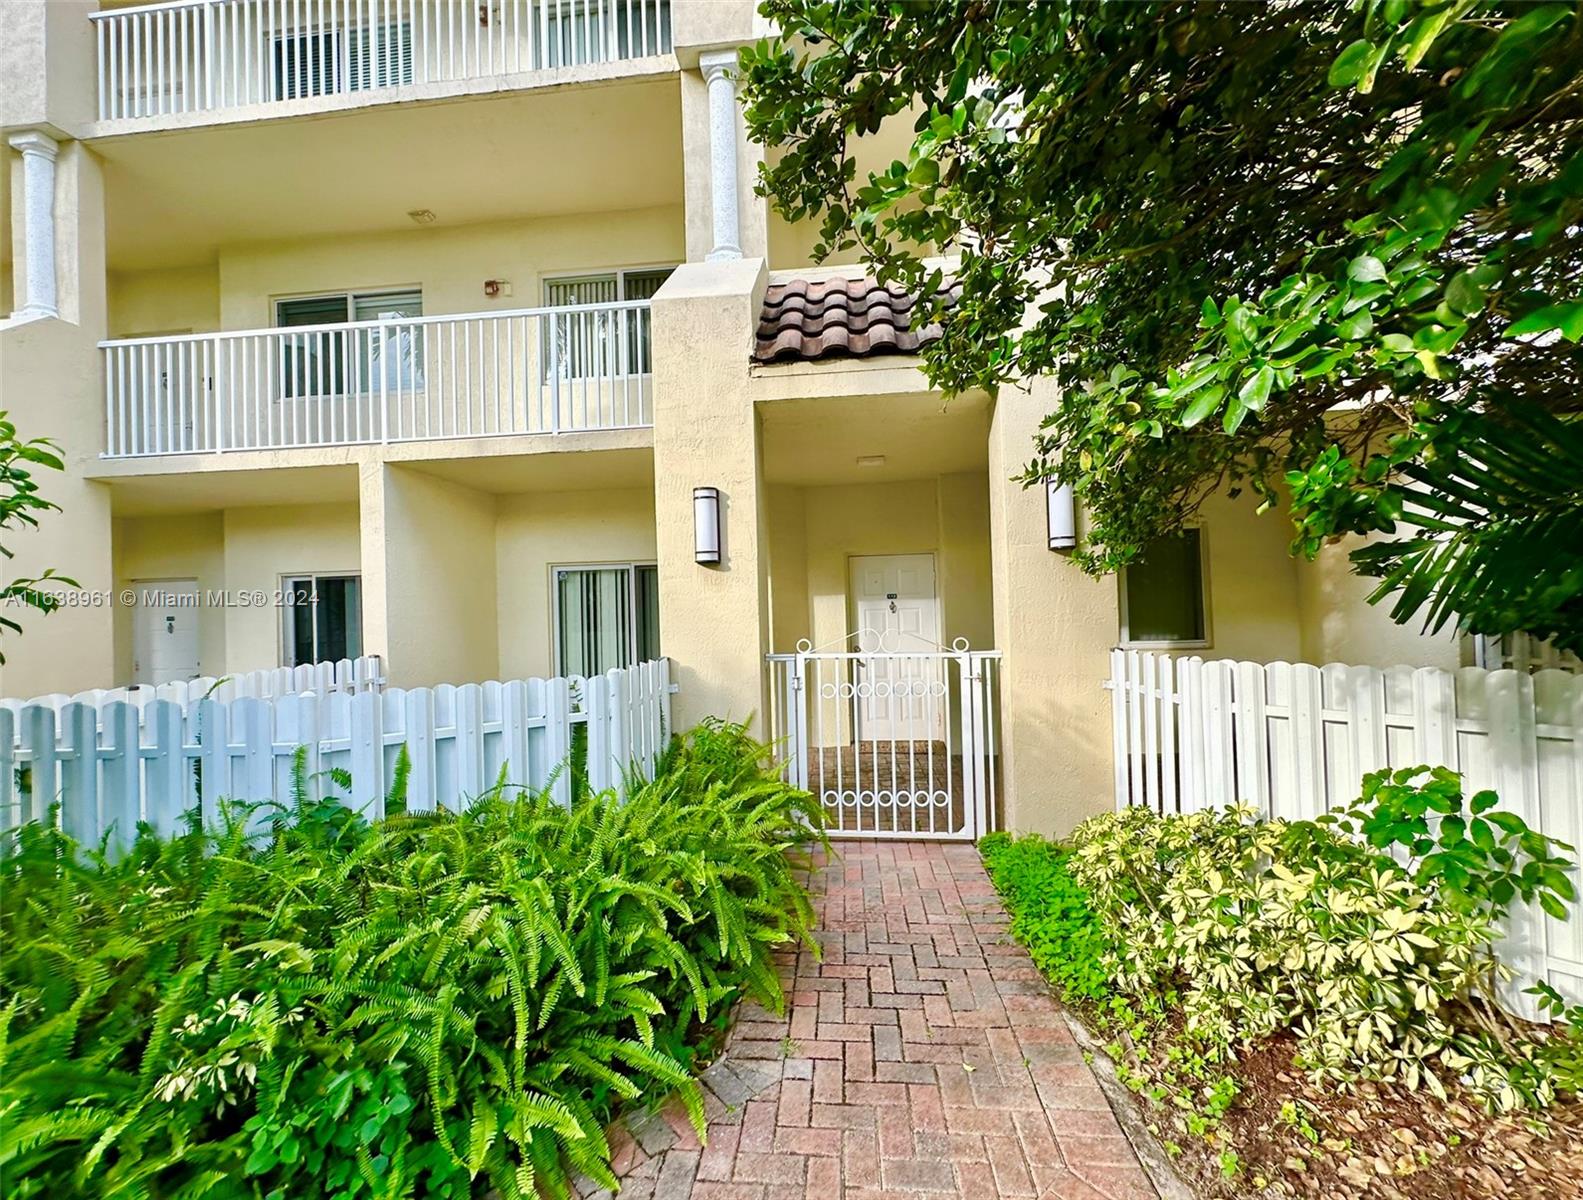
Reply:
x=453, y=331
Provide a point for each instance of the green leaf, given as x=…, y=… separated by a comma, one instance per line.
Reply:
x=1359, y=325
x=1209, y=313
x=1350, y=64
x=1464, y=294
x=1568, y=318
x=1255, y=389
x=1204, y=404
x=1365, y=269
x=1421, y=35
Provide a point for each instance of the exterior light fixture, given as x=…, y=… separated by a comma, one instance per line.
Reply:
x=1060, y=515
x=706, y=526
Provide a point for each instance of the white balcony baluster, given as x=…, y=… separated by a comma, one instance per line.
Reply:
x=530, y=371
x=204, y=55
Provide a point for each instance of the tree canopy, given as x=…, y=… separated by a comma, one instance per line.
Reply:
x=1312, y=252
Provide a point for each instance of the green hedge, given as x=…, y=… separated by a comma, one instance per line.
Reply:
x=1050, y=912
x=1368, y=934
x=444, y=1006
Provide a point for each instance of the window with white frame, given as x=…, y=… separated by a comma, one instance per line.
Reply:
x=328, y=362
x=1163, y=596
x=606, y=615
x=323, y=619
x=592, y=344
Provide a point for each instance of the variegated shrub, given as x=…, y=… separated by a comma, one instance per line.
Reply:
x=1358, y=944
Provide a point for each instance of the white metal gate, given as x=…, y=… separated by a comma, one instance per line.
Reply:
x=892, y=744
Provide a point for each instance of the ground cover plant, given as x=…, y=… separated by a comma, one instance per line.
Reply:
x=1302, y=1006
x=444, y=1005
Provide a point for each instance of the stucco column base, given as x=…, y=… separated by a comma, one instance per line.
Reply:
x=1054, y=626
x=714, y=620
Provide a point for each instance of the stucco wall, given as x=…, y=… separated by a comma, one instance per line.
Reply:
x=787, y=517
x=714, y=621
x=439, y=580
x=1339, y=625
x=47, y=59
x=1054, y=627
x=540, y=530
x=180, y=300
x=449, y=265
x=262, y=545
x=1253, y=610
x=964, y=559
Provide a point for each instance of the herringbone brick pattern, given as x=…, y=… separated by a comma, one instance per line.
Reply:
x=922, y=1057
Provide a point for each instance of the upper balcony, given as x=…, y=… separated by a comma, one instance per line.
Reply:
x=173, y=65
x=565, y=369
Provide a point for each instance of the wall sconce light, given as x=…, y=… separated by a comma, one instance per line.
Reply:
x=1060, y=515
x=706, y=526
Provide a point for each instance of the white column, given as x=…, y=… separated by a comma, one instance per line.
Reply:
x=38, y=222
x=719, y=71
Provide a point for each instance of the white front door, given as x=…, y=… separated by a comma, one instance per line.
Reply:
x=165, y=631
x=898, y=614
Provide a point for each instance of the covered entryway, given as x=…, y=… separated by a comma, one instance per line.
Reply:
x=881, y=698
x=893, y=742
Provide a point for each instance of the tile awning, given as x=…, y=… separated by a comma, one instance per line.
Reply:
x=805, y=320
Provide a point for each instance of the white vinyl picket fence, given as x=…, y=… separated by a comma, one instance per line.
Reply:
x=350, y=675
x=1294, y=740
x=110, y=765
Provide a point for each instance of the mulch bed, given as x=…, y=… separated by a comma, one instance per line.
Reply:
x=1375, y=1141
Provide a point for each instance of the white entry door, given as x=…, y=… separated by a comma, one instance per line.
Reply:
x=901, y=694
x=165, y=631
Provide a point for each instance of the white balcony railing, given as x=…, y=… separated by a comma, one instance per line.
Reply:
x=543, y=370
x=206, y=55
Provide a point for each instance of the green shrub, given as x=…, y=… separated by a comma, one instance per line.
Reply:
x=444, y=1005
x=1379, y=964
x=1050, y=913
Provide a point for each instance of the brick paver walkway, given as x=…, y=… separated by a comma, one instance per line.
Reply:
x=923, y=1057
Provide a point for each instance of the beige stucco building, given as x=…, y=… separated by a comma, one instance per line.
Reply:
x=440, y=312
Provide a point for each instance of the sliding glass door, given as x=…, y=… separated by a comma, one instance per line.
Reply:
x=326, y=362
x=605, y=616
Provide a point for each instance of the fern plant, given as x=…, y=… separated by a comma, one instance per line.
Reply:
x=450, y=1006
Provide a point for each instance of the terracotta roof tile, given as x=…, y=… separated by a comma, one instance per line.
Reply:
x=806, y=319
